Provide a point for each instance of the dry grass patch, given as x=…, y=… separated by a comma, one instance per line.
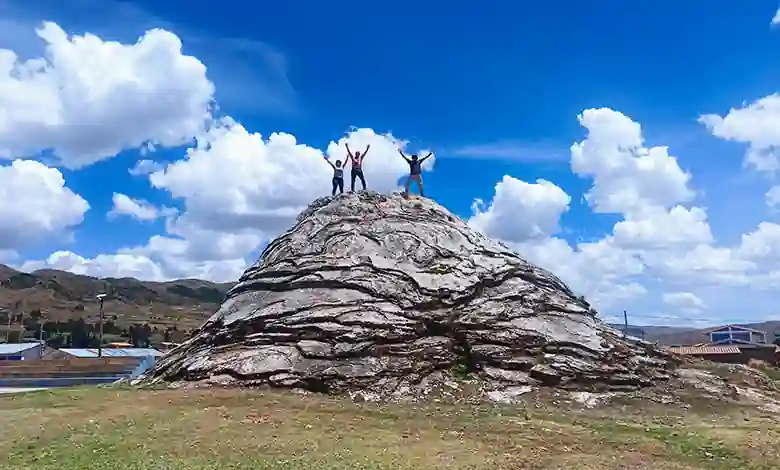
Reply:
x=122, y=429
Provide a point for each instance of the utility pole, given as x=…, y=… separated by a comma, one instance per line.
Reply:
x=41, y=340
x=100, y=298
x=22, y=330
x=8, y=312
x=625, y=321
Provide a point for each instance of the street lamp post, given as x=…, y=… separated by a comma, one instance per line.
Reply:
x=100, y=298
x=8, y=312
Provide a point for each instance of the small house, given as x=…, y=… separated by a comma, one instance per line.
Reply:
x=732, y=344
x=21, y=351
x=735, y=334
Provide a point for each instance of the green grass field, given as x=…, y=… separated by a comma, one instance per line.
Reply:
x=123, y=429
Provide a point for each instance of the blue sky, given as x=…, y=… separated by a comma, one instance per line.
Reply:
x=493, y=90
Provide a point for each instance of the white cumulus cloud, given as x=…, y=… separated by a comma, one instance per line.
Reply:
x=138, y=209
x=145, y=167
x=773, y=197
x=35, y=204
x=758, y=125
x=237, y=180
x=88, y=99
x=686, y=301
x=541, y=205
x=118, y=265
x=627, y=177
x=658, y=228
x=661, y=244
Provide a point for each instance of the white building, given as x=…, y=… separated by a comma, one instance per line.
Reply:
x=113, y=352
x=20, y=351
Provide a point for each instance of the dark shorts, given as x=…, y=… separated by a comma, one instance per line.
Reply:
x=357, y=171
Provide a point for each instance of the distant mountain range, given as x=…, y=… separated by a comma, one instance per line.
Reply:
x=61, y=295
x=185, y=303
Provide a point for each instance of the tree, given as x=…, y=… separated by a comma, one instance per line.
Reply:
x=80, y=334
x=147, y=342
x=15, y=336
x=56, y=341
x=133, y=336
x=140, y=335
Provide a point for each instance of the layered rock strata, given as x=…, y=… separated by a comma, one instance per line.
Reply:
x=375, y=292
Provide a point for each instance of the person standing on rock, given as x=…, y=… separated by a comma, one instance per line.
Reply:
x=415, y=172
x=357, y=166
x=338, y=176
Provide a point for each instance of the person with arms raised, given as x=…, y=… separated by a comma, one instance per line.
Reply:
x=415, y=172
x=338, y=176
x=357, y=166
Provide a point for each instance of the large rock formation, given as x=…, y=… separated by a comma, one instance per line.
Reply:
x=374, y=292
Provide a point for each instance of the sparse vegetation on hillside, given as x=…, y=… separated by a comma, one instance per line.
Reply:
x=56, y=301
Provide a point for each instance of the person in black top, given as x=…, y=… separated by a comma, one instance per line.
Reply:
x=338, y=176
x=415, y=172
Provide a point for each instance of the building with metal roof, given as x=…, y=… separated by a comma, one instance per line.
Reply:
x=736, y=334
x=113, y=352
x=704, y=350
x=731, y=353
x=20, y=351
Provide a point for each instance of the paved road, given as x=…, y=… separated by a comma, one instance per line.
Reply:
x=18, y=390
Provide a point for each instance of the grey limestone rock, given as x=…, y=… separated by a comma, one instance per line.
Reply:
x=376, y=293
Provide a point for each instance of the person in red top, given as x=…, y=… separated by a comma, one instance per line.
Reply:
x=357, y=166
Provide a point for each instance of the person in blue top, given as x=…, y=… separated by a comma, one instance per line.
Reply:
x=415, y=171
x=338, y=176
